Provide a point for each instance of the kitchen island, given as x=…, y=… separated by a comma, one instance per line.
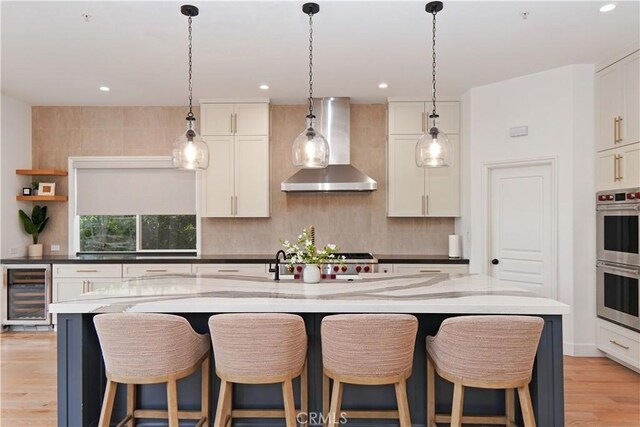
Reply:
x=430, y=297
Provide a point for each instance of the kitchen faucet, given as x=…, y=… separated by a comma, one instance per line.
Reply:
x=276, y=270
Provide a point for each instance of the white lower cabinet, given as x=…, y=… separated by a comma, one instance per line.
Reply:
x=139, y=270
x=229, y=268
x=620, y=344
x=430, y=268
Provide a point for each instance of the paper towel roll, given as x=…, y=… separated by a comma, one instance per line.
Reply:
x=455, y=246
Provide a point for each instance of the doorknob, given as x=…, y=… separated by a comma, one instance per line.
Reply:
x=495, y=261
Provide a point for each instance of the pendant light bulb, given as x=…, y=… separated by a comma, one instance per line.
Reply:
x=190, y=151
x=433, y=149
x=310, y=149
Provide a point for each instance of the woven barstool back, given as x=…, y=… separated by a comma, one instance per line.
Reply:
x=142, y=345
x=368, y=345
x=258, y=344
x=487, y=347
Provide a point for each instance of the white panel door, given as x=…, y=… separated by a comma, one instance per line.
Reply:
x=608, y=106
x=443, y=185
x=521, y=226
x=606, y=170
x=218, y=178
x=251, y=119
x=251, y=176
x=216, y=119
x=406, y=179
x=631, y=120
x=406, y=118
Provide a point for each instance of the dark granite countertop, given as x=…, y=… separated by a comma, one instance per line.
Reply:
x=209, y=259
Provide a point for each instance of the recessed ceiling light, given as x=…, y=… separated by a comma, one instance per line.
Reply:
x=383, y=85
x=105, y=88
x=607, y=7
x=264, y=87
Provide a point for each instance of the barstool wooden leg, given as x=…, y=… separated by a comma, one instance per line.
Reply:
x=403, y=404
x=431, y=394
x=326, y=399
x=221, y=409
x=527, y=407
x=172, y=402
x=107, y=404
x=131, y=404
x=205, y=390
x=289, y=404
x=304, y=395
x=458, y=402
x=336, y=402
x=510, y=407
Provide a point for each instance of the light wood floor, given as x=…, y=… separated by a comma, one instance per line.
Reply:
x=598, y=392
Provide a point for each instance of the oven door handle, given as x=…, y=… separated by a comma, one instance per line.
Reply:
x=630, y=208
x=618, y=267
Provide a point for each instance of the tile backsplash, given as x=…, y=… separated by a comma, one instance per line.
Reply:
x=354, y=221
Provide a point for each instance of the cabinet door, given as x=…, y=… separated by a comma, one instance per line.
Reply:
x=606, y=170
x=449, y=112
x=140, y=270
x=629, y=166
x=609, y=104
x=251, y=119
x=406, y=118
x=67, y=289
x=218, y=178
x=216, y=119
x=430, y=268
x=406, y=180
x=216, y=269
x=443, y=185
x=251, y=176
x=630, y=126
x=96, y=284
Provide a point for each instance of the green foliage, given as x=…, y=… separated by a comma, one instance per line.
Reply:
x=306, y=252
x=34, y=224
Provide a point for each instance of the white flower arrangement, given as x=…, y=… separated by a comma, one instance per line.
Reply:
x=304, y=251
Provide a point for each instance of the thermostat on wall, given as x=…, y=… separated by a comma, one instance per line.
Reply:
x=519, y=131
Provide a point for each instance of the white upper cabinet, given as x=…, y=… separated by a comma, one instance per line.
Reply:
x=414, y=191
x=618, y=103
x=236, y=184
x=412, y=117
x=618, y=168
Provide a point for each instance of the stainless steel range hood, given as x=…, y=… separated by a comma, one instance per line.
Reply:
x=332, y=119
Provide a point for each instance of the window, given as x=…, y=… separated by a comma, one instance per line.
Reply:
x=131, y=233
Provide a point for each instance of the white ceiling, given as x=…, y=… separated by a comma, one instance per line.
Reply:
x=51, y=56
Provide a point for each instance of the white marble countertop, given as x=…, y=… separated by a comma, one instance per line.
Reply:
x=374, y=293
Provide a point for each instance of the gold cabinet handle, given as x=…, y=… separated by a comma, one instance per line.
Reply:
x=615, y=130
x=86, y=271
x=228, y=271
x=231, y=123
x=619, y=129
x=231, y=205
x=620, y=177
x=426, y=209
x=614, y=342
x=235, y=205
x=430, y=271
x=159, y=270
x=615, y=167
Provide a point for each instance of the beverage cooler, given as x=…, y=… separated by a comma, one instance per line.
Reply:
x=26, y=294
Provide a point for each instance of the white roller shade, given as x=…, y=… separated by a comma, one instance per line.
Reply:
x=132, y=191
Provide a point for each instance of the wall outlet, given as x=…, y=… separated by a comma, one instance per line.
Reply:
x=519, y=131
x=55, y=248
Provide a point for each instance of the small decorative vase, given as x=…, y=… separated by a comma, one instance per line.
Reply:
x=35, y=250
x=311, y=273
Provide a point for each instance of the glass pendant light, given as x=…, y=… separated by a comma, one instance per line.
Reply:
x=433, y=149
x=310, y=149
x=190, y=151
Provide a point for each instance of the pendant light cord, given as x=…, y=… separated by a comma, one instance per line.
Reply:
x=310, y=66
x=190, y=116
x=433, y=69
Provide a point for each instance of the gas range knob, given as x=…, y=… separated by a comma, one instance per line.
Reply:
x=609, y=196
x=290, y=269
x=366, y=268
x=336, y=268
x=631, y=196
x=358, y=269
x=638, y=195
x=602, y=198
x=299, y=268
x=344, y=268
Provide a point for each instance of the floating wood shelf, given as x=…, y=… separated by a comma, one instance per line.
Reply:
x=41, y=172
x=42, y=198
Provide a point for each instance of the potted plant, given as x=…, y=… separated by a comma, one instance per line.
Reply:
x=305, y=252
x=34, y=225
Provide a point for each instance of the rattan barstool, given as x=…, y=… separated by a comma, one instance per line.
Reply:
x=259, y=348
x=494, y=352
x=367, y=349
x=145, y=348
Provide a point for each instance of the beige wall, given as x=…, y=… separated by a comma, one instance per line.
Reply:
x=354, y=221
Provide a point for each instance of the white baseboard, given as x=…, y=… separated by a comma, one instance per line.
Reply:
x=581, y=350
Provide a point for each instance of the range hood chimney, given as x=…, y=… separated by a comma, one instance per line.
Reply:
x=333, y=121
